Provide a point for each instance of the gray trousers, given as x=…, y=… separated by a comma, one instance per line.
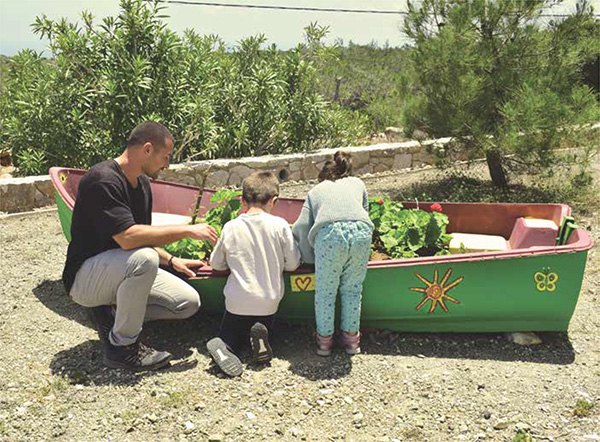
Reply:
x=141, y=291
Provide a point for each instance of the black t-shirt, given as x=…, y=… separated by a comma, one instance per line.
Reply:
x=106, y=204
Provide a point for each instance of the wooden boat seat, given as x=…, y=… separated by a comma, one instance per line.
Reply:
x=473, y=242
x=166, y=219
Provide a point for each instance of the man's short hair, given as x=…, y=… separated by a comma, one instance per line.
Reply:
x=260, y=187
x=149, y=132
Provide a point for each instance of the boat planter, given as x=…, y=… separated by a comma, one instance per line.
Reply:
x=523, y=289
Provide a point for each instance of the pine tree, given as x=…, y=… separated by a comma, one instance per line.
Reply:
x=504, y=82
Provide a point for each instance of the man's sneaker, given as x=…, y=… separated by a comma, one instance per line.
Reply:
x=351, y=342
x=259, y=341
x=227, y=361
x=136, y=357
x=103, y=321
x=324, y=345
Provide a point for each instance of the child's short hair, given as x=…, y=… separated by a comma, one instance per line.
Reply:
x=260, y=187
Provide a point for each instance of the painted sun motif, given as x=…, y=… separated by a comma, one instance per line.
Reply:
x=63, y=177
x=436, y=292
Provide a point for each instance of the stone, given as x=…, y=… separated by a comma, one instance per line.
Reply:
x=502, y=424
x=402, y=161
x=295, y=166
x=217, y=179
x=360, y=158
x=392, y=132
x=364, y=170
x=188, y=427
x=524, y=338
x=309, y=171
x=215, y=438
x=380, y=168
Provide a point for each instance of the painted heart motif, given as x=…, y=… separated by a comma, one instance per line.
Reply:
x=303, y=283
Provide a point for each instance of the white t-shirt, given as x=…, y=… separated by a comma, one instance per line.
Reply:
x=257, y=248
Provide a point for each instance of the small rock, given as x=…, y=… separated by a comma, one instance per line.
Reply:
x=524, y=338
x=358, y=417
x=200, y=406
x=522, y=426
x=487, y=415
x=348, y=400
x=250, y=415
x=502, y=424
x=215, y=438
x=480, y=436
x=189, y=427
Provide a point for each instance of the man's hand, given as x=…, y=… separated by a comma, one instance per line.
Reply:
x=204, y=232
x=185, y=266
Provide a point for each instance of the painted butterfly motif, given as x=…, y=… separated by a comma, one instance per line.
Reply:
x=545, y=280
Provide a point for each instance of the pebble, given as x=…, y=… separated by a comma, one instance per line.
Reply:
x=502, y=424
x=250, y=415
x=189, y=427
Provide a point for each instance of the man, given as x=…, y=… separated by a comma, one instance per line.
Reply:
x=114, y=255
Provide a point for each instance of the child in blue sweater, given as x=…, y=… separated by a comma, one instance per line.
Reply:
x=334, y=232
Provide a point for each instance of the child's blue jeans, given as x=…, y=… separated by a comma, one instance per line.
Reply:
x=341, y=255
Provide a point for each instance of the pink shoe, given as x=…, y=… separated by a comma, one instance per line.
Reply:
x=324, y=345
x=351, y=342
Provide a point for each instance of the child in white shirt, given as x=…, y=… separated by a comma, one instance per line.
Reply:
x=257, y=248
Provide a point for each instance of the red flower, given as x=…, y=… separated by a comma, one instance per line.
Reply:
x=380, y=201
x=435, y=207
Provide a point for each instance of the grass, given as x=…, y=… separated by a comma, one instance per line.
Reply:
x=174, y=399
x=578, y=191
x=583, y=408
x=56, y=385
x=523, y=436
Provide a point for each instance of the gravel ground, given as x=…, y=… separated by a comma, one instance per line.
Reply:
x=404, y=387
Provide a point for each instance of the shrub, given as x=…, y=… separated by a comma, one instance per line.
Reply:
x=78, y=107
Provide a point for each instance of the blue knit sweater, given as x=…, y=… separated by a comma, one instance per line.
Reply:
x=330, y=201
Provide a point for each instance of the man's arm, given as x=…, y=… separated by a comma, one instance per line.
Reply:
x=142, y=235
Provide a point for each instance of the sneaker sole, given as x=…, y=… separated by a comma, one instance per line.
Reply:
x=114, y=364
x=323, y=352
x=228, y=362
x=259, y=341
x=353, y=351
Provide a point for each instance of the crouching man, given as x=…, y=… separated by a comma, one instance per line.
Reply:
x=113, y=259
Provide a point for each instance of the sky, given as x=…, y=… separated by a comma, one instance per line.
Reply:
x=284, y=28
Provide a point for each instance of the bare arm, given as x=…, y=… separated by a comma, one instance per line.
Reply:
x=142, y=235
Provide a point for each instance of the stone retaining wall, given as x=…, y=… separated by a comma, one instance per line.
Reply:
x=304, y=166
x=23, y=194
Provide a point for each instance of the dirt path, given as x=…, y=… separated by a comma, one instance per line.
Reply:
x=417, y=387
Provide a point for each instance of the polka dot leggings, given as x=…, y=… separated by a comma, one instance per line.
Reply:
x=341, y=255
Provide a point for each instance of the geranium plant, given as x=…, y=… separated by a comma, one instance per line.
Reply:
x=408, y=233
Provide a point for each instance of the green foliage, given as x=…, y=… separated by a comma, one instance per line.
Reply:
x=523, y=436
x=370, y=81
x=583, y=408
x=486, y=73
x=407, y=233
x=227, y=208
x=104, y=78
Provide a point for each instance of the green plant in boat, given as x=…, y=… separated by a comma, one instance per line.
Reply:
x=407, y=233
x=228, y=208
x=398, y=232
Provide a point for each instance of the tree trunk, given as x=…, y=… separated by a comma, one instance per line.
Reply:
x=338, y=82
x=494, y=162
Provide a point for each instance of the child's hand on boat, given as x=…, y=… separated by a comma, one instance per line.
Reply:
x=203, y=232
x=187, y=266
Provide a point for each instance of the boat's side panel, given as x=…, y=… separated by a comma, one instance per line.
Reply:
x=64, y=214
x=520, y=294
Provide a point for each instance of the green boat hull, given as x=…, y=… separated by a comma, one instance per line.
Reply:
x=524, y=290
x=492, y=296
